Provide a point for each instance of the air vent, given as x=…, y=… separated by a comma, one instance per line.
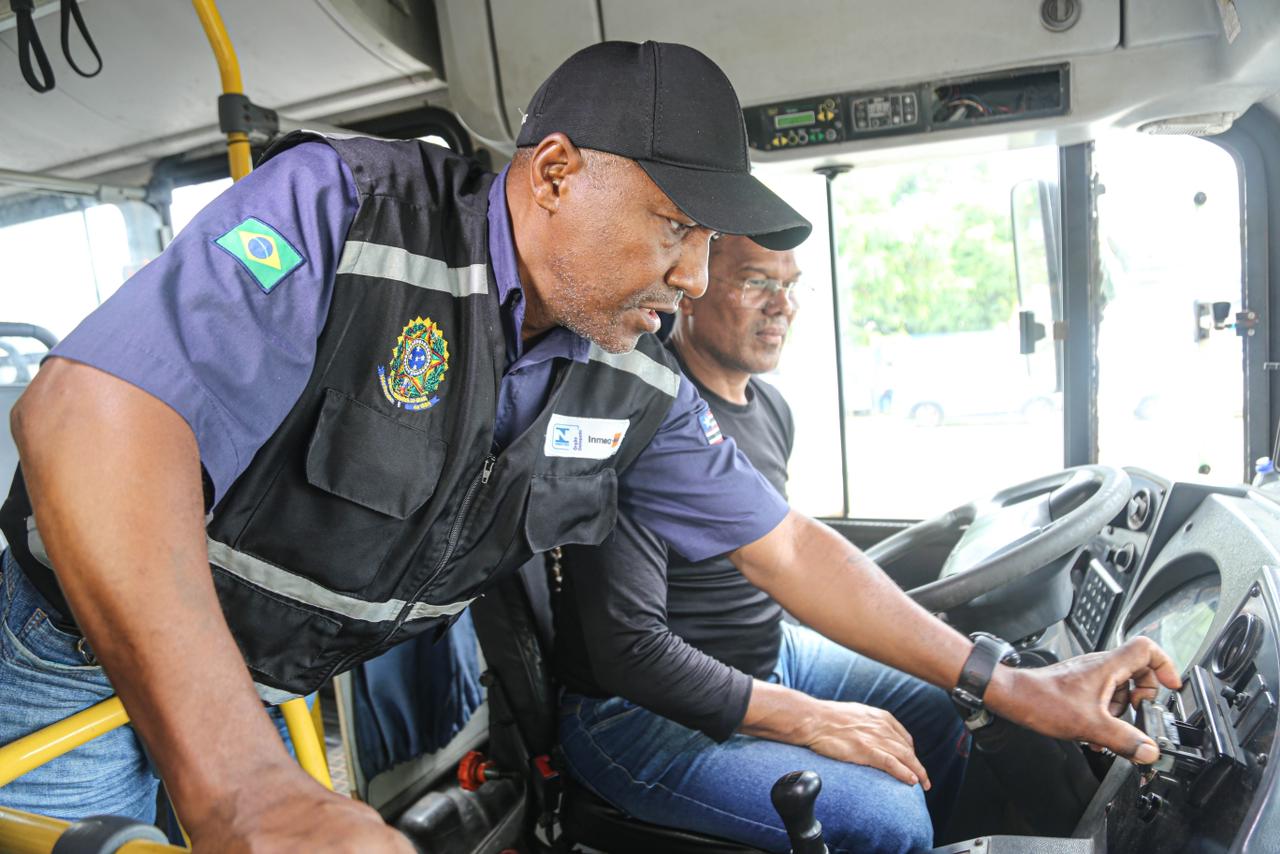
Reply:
x=1139, y=510
x=1237, y=647
x=1058, y=16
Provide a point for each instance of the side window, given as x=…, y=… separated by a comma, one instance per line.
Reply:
x=806, y=374
x=1170, y=385
x=56, y=269
x=943, y=406
x=188, y=200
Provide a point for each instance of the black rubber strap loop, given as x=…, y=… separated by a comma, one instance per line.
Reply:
x=104, y=834
x=70, y=9
x=29, y=44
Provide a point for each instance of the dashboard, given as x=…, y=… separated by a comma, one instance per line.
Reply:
x=1196, y=569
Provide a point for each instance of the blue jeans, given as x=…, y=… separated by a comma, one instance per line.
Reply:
x=47, y=674
x=663, y=773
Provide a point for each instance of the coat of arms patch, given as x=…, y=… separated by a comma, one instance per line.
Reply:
x=417, y=366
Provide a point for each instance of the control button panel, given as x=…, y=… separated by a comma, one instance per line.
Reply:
x=888, y=111
x=1094, y=603
x=795, y=125
x=909, y=108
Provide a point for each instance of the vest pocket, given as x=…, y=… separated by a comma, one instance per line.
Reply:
x=359, y=454
x=290, y=645
x=365, y=473
x=567, y=509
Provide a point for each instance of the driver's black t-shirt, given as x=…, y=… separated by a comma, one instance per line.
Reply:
x=679, y=638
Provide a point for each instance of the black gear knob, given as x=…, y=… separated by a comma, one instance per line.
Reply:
x=794, y=796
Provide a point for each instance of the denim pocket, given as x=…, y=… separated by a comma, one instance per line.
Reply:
x=44, y=646
x=30, y=638
x=606, y=714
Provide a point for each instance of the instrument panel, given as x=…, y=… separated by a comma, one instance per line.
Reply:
x=836, y=117
x=1215, y=735
x=1111, y=562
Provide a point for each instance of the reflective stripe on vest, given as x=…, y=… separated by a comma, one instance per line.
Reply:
x=283, y=583
x=639, y=365
x=389, y=262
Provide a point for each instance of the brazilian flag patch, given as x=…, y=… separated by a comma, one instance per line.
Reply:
x=262, y=251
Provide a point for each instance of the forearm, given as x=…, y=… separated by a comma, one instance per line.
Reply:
x=670, y=678
x=830, y=585
x=114, y=479
x=618, y=593
x=780, y=714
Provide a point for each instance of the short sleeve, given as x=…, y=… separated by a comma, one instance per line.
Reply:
x=693, y=487
x=223, y=325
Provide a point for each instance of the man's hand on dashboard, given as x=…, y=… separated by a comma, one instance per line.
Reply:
x=1081, y=698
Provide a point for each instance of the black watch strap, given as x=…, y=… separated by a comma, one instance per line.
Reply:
x=988, y=651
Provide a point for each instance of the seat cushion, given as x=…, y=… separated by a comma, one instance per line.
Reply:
x=592, y=821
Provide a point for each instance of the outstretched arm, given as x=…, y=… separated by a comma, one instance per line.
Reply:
x=828, y=583
x=114, y=479
x=618, y=592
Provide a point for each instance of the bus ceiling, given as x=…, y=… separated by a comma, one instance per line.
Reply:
x=861, y=81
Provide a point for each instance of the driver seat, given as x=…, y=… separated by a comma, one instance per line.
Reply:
x=514, y=625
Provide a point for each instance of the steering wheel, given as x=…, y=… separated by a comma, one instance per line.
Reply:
x=1012, y=534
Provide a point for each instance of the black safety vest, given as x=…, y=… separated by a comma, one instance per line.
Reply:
x=380, y=508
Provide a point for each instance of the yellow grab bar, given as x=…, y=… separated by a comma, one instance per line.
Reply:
x=306, y=741
x=45, y=745
x=238, y=154
x=23, y=833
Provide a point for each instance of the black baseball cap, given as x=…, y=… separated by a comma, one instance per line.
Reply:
x=672, y=110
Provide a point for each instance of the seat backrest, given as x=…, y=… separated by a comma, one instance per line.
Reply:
x=16, y=367
x=514, y=626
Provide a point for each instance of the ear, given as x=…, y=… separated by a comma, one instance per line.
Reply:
x=554, y=167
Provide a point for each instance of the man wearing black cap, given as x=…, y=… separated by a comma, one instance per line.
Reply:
x=360, y=385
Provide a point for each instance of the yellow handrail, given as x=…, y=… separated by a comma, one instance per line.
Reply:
x=238, y=153
x=31, y=751
x=307, y=745
x=23, y=833
x=45, y=745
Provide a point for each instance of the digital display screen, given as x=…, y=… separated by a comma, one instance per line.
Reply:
x=1180, y=620
x=794, y=120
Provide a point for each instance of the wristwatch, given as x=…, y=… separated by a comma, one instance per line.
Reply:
x=988, y=651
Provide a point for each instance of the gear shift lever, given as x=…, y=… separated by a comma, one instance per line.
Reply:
x=794, y=796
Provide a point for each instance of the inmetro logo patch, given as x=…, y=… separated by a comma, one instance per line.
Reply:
x=585, y=438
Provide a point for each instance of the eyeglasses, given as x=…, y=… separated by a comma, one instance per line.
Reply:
x=757, y=293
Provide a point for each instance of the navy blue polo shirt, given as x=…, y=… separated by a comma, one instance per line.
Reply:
x=196, y=329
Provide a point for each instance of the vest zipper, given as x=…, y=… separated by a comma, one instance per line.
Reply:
x=451, y=543
x=455, y=531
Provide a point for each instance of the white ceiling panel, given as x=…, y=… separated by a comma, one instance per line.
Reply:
x=160, y=78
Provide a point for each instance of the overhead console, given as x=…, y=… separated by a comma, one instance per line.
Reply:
x=829, y=119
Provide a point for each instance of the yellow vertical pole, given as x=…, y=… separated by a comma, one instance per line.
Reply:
x=238, y=153
x=306, y=744
x=305, y=731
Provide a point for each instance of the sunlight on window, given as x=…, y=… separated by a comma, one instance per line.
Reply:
x=189, y=200
x=936, y=388
x=806, y=375
x=1170, y=388
x=59, y=268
